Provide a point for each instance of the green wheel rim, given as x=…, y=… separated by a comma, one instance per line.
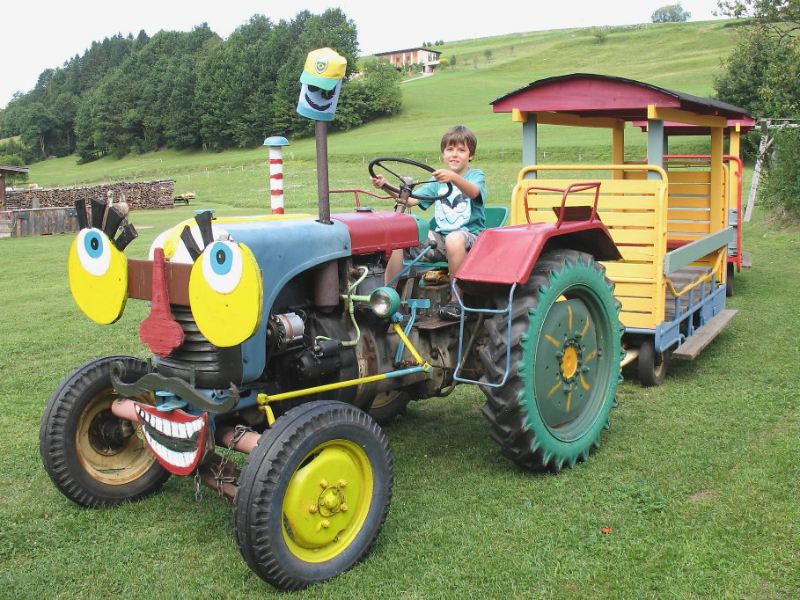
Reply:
x=566, y=369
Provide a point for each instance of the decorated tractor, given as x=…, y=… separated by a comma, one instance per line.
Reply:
x=278, y=337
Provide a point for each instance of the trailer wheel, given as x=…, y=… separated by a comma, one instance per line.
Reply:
x=565, y=363
x=93, y=457
x=313, y=495
x=651, y=365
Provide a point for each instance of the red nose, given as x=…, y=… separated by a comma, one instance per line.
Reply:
x=159, y=330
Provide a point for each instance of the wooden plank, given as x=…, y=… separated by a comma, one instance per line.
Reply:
x=639, y=305
x=636, y=253
x=684, y=213
x=639, y=320
x=695, y=227
x=632, y=270
x=634, y=290
x=678, y=202
x=693, y=176
x=140, y=280
x=636, y=237
x=703, y=336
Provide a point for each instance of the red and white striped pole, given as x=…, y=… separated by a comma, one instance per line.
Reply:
x=275, y=145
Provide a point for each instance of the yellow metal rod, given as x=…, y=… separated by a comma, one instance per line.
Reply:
x=402, y=335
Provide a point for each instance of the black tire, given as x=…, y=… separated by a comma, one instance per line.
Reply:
x=313, y=495
x=556, y=400
x=389, y=405
x=651, y=365
x=731, y=272
x=93, y=457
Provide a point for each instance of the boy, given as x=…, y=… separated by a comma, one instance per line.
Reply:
x=459, y=217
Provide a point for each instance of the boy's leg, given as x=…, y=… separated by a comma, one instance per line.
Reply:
x=456, y=246
x=394, y=265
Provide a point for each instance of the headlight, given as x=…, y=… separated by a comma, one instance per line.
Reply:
x=385, y=301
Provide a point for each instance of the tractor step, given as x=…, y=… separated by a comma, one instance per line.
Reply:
x=703, y=336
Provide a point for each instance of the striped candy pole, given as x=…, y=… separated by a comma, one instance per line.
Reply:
x=275, y=145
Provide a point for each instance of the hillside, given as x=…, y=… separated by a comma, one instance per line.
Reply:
x=681, y=56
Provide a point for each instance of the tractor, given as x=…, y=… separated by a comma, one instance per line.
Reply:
x=278, y=337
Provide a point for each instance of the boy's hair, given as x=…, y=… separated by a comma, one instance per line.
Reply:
x=458, y=134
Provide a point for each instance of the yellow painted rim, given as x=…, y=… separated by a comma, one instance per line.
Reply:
x=327, y=501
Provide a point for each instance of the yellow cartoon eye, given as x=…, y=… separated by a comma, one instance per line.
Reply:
x=225, y=293
x=98, y=276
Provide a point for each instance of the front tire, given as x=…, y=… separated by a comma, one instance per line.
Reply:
x=314, y=494
x=565, y=352
x=93, y=457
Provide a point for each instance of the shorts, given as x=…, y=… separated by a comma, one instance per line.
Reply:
x=438, y=254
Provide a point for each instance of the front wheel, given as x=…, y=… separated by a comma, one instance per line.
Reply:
x=313, y=495
x=565, y=351
x=92, y=456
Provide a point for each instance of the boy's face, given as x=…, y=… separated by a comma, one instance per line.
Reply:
x=457, y=157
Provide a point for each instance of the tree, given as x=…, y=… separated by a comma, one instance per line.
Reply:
x=190, y=90
x=672, y=13
x=599, y=33
x=376, y=93
x=761, y=76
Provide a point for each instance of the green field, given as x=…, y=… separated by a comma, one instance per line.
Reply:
x=693, y=493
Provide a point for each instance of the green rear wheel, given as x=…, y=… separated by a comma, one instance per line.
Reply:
x=565, y=360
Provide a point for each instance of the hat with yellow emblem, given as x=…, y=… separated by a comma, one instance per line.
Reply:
x=324, y=68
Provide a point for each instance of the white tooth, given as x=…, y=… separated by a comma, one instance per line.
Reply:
x=184, y=458
x=171, y=456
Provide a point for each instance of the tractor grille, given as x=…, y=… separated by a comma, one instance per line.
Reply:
x=211, y=366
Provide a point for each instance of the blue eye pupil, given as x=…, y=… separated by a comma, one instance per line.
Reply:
x=93, y=244
x=222, y=260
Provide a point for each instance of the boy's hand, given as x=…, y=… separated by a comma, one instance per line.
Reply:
x=378, y=182
x=443, y=175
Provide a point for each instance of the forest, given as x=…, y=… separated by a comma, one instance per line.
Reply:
x=183, y=90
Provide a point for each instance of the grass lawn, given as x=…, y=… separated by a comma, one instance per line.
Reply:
x=692, y=494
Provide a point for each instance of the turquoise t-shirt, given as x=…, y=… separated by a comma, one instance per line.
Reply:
x=457, y=211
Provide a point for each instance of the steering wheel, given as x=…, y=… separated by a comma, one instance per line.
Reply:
x=407, y=184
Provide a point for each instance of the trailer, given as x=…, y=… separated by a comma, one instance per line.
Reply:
x=670, y=216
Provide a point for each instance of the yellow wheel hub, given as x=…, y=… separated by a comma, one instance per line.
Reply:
x=569, y=362
x=327, y=501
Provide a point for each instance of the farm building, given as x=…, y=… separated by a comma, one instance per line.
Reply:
x=8, y=170
x=429, y=59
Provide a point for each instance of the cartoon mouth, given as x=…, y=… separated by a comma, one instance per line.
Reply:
x=175, y=438
x=318, y=107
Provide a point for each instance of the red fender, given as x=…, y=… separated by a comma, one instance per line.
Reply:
x=507, y=254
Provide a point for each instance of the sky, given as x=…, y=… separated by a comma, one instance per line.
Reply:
x=32, y=41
